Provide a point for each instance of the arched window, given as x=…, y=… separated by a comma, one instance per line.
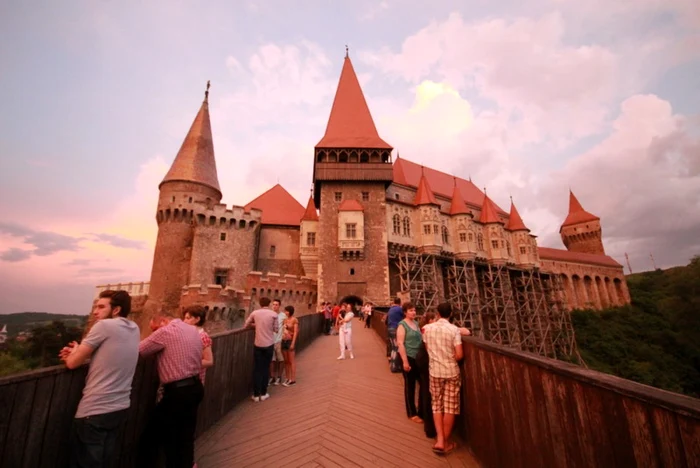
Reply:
x=397, y=224
x=480, y=241
x=406, y=226
x=445, y=235
x=508, y=247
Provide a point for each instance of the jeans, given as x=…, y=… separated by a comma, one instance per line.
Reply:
x=172, y=427
x=94, y=438
x=262, y=357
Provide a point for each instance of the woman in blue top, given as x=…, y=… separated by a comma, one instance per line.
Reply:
x=409, y=339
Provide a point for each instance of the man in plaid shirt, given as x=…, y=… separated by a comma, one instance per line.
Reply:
x=443, y=342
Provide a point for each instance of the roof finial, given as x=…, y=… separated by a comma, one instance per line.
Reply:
x=347, y=52
x=206, y=93
x=485, y=191
x=422, y=170
x=470, y=177
x=454, y=178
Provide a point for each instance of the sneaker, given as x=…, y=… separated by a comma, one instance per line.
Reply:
x=265, y=397
x=255, y=398
x=341, y=357
x=272, y=379
x=352, y=356
x=278, y=381
x=291, y=382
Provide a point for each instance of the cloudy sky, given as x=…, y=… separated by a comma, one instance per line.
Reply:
x=528, y=98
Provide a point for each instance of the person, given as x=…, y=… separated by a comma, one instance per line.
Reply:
x=196, y=316
x=393, y=317
x=277, y=364
x=368, y=314
x=178, y=349
x=289, y=341
x=345, y=330
x=265, y=322
x=112, y=345
x=444, y=345
x=328, y=317
x=335, y=312
x=408, y=340
x=425, y=408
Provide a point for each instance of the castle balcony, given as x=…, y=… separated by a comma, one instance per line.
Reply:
x=351, y=244
x=335, y=171
x=308, y=251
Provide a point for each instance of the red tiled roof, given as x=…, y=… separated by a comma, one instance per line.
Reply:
x=310, y=213
x=424, y=194
x=515, y=222
x=458, y=206
x=195, y=161
x=488, y=212
x=576, y=212
x=278, y=207
x=351, y=205
x=350, y=124
x=409, y=173
x=547, y=253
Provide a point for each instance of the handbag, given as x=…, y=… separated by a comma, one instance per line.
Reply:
x=396, y=363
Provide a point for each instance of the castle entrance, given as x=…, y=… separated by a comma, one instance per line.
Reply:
x=351, y=289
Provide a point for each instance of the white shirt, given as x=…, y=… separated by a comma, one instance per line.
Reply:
x=347, y=324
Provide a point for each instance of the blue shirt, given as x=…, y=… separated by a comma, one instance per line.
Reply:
x=394, y=316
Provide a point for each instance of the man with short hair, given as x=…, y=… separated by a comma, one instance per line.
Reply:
x=112, y=345
x=443, y=341
x=266, y=324
x=178, y=349
x=277, y=364
x=393, y=317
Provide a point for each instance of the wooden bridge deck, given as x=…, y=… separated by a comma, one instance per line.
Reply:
x=341, y=413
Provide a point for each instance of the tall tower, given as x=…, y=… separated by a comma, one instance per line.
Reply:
x=191, y=179
x=581, y=231
x=352, y=170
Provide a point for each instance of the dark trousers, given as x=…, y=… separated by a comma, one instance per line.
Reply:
x=425, y=402
x=94, y=439
x=409, y=387
x=368, y=322
x=172, y=427
x=262, y=357
x=327, y=326
x=391, y=342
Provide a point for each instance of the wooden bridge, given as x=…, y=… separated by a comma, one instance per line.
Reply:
x=519, y=410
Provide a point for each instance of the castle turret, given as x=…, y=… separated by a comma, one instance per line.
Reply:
x=192, y=179
x=494, y=235
x=308, y=245
x=432, y=230
x=521, y=247
x=462, y=217
x=581, y=230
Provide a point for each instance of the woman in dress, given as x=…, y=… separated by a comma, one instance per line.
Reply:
x=196, y=316
x=408, y=340
x=289, y=341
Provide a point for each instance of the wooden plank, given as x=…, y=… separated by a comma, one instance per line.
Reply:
x=38, y=421
x=7, y=398
x=690, y=435
x=16, y=439
x=640, y=433
x=668, y=442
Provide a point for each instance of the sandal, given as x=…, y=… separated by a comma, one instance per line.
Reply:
x=417, y=419
x=449, y=447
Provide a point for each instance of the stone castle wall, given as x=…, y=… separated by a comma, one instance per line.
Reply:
x=278, y=250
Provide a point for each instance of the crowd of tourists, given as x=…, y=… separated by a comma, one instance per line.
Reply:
x=427, y=353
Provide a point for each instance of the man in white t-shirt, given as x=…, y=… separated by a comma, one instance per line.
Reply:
x=112, y=345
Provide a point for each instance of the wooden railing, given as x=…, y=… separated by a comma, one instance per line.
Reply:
x=37, y=407
x=522, y=410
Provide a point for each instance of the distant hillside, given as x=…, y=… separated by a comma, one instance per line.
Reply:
x=655, y=340
x=25, y=321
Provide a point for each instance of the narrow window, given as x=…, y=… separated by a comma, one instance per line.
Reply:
x=173, y=197
x=189, y=200
x=365, y=196
x=407, y=226
x=471, y=237
x=397, y=224
x=396, y=196
x=338, y=196
x=445, y=235
x=426, y=229
x=508, y=248
x=220, y=277
x=494, y=244
x=435, y=228
x=523, y=251
x=311, y=239
x=352, y=271
x=463, y=237
x=222, y=236
x=351, y=230
x=480, y=241
x=272, y=251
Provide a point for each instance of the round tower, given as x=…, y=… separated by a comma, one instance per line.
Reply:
x=581, y=230
x=192, y=181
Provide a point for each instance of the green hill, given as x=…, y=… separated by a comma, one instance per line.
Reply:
x=656, y=339
x=26, y=321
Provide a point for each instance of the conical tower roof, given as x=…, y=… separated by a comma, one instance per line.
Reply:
x=576, y=212
x=350, y=124
x=458, y=206
x=488, y=212
x=310, y=213
x=424, y=194
x=515, y=222
x=195, y=162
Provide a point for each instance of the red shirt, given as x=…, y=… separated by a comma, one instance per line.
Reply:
x=336, y=311
x=179, y=349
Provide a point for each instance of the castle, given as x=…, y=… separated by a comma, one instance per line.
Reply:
x=375, y=227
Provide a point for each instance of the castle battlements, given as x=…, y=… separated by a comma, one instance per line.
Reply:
x=218, y=215
x=289, y=288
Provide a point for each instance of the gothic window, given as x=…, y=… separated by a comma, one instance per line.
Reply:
x=445, y=235
x=406, y=226
x=435, y=228
x=220, y=276
x=222, y=236
x=523, y=251
x=397, y=224
x=351, y=230
x=273, y=249
x=471, y=237
x=508, y=248
x=311, y=239
x=480, y=241
x=494, y=244
x=462, y=237
x=365, y=196
x=426, y=229
x=338, y=196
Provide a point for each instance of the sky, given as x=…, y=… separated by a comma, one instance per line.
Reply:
x=529, y=98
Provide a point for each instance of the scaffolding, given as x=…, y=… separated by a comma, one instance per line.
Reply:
x=419, y=277
x=463, y=293
x=497, y=311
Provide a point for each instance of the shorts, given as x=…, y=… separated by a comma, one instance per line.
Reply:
x=445, y=394
x=286, y=344
x=277, y=352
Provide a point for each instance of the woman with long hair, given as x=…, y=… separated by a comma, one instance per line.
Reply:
x=424, y=399
x=345, y=330
x=289, y=340
x=408, y=340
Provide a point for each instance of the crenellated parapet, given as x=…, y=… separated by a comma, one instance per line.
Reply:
x=299, y=291
x=219, y=215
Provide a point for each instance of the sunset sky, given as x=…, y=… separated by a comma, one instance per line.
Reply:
x=529, y=98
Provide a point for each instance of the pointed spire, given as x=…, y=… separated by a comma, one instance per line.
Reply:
x=515, y=222
x=350, y=124
x=310, y=213
x=488, y=211
x=195, y=162
x=424, y=194
x=576, y=212
x=458, y=206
